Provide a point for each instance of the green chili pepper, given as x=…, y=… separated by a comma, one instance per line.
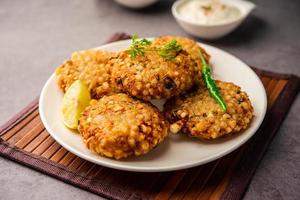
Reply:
x=210, y=83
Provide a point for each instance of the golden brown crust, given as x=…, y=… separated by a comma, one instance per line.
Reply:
x=92, y=67
x=119, y=126
x=198, y=114
x=150, y=76
x=145, y=77
x=191, y=47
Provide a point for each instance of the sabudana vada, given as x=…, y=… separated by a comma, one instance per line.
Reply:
x=118, y=126
x=199, y=115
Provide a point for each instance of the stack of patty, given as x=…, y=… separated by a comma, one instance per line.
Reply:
x=120, y=122
x=146, y=77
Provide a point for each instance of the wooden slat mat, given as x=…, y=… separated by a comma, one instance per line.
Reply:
x=25, y=140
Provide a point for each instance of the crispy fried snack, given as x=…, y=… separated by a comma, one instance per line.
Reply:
x=119, y=126
x=191, y=47
x=150, y=76
x=199, y=115
x=93, y=67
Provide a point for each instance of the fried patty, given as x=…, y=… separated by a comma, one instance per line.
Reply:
x=118, y=126
x=199, y=115
x=191, y=47
x=92, y=67
x=150, y=76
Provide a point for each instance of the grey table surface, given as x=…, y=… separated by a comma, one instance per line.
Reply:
x=37, y=35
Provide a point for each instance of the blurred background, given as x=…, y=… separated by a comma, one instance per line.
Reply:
x=37, y=35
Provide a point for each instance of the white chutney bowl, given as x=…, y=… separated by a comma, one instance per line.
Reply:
x=208, y=31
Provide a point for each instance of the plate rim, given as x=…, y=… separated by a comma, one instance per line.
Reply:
x=143, y=168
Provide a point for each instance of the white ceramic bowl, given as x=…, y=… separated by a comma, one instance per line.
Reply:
x=212, y=31
x=136, y=4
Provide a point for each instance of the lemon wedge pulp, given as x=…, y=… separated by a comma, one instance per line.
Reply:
x=75, y=100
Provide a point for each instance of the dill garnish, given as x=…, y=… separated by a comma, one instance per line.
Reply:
x=138, y=47
x=170, y=50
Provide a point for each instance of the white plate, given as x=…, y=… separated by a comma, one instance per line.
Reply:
x=177, y=151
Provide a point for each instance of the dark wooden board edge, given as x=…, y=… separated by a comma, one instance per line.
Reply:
x=275, y=75
x=244, y=171
x=117, y=37
x=19, y=116
x=62, y=173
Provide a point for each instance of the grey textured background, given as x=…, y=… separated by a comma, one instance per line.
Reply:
x=37, y=35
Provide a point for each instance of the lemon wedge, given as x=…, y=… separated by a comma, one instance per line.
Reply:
x=75, y=100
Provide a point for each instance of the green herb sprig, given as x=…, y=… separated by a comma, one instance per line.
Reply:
x=170, y=50
x=138, y=47
x=206, y=7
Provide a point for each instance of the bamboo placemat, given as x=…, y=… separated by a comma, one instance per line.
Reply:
x=25, y=140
